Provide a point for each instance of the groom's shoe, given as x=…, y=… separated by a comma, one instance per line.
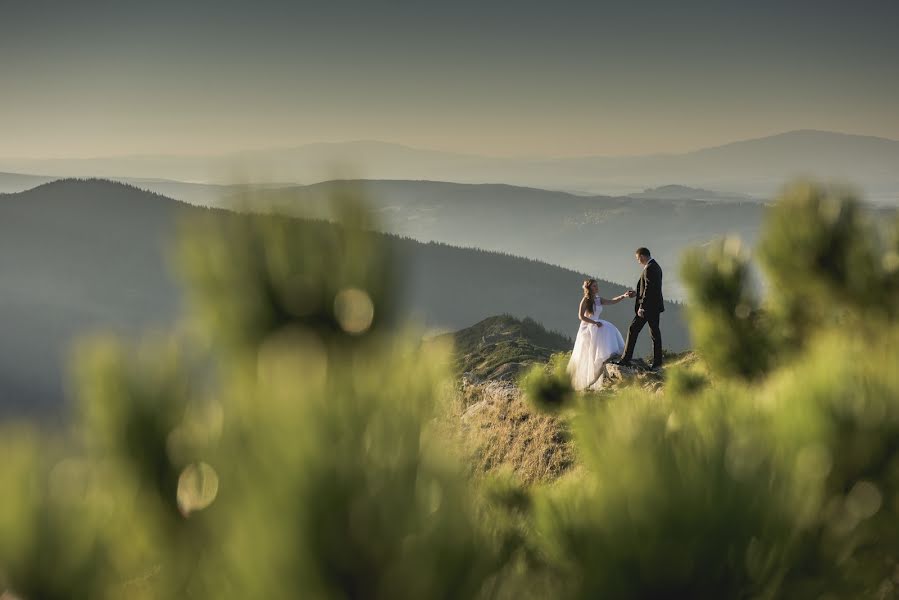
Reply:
x=622, y=362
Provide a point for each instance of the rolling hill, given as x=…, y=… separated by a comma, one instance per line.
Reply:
x=82, y=255
x=590, y=234
x=500, y=347
x=201, y=194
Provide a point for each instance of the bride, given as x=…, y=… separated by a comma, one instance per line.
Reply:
x=597, y=340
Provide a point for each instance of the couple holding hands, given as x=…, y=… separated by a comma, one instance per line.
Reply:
x=598, y=341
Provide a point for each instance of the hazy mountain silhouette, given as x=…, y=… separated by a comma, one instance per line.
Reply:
x=303, y=164
x=592, y=234
x=757, y=166
x=584, y=233
x=202, y=194
x=760, y=166
x=83, y=255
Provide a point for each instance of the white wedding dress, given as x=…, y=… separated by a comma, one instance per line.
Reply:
x=593, y=347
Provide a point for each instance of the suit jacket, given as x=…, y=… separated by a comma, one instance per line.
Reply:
x=649, y=290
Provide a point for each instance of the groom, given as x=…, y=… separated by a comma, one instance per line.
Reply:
x=648, y=307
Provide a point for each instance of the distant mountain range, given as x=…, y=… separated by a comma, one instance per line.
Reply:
x=757, y=167
x=78, y=256
x=584, y=233
x=590, y=234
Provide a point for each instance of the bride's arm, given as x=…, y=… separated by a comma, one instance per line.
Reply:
x=615, y=300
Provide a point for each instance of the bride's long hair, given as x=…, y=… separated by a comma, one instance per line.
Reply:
x=589, y=295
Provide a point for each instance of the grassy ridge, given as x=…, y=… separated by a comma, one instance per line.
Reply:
x=500, y=347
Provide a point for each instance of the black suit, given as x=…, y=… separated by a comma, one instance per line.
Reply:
x=649, y=298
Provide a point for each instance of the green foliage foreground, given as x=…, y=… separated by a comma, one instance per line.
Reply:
x=282, y=443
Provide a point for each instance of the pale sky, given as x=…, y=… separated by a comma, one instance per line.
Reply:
x=120, y=77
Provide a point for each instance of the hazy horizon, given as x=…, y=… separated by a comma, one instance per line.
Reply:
x=113, y=79
x=474, y=154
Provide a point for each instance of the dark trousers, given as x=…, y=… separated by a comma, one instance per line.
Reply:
x=654, y=332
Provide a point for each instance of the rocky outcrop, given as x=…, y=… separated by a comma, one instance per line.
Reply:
x=499, y=431
x=637, y=373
